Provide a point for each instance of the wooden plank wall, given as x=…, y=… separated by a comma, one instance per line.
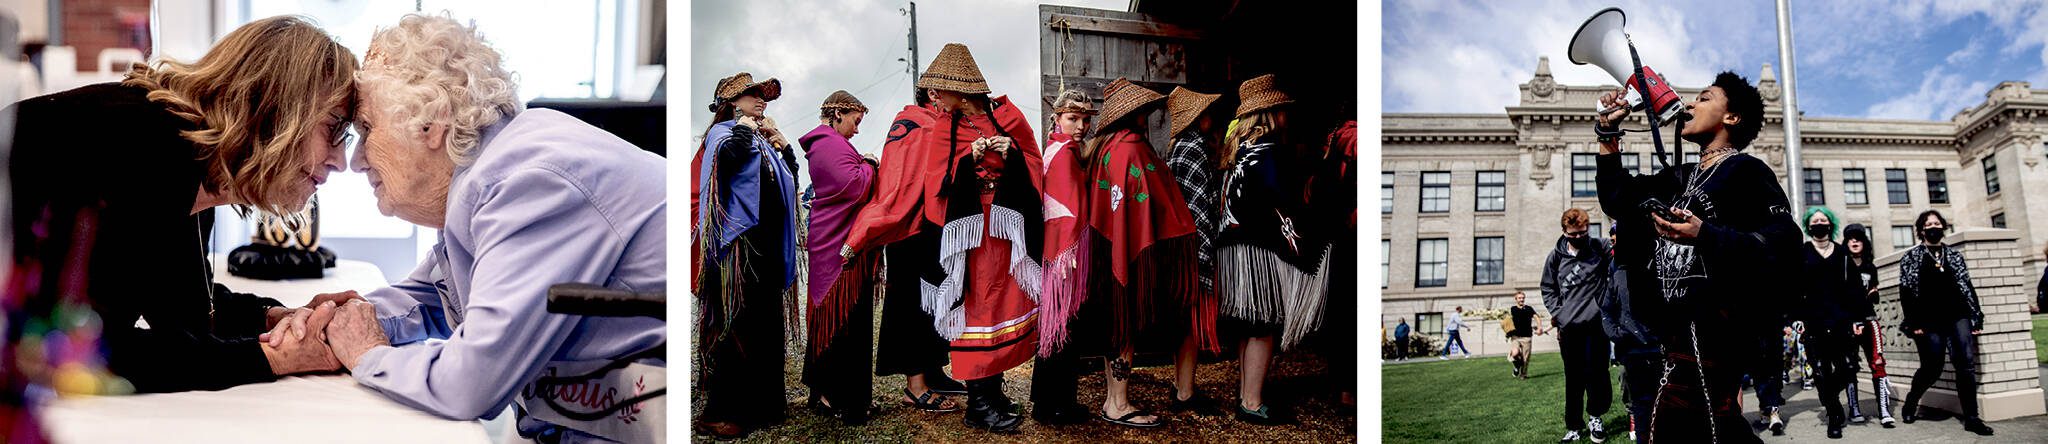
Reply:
x=1085, y=49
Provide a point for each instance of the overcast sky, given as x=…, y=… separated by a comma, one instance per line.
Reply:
x=1894, y=59
x=816, y=47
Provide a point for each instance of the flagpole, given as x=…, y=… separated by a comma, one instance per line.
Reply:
x=1794, y=178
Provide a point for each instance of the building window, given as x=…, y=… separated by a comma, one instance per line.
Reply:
x=1854, y=189
x=1692, y=157
x=1584, y=170
x=1895, y=187
x=1815, y=194
x=1593, y=229
x=1432, y=262
x=1489, y=256
x=1436, y=192
x=1492, y=194
x=1431, y=324
x=1386, y=252
x=1902, y=236
x=1998, y=220
x=1632, y=163
x=1990, y=175
x=1386, y=193
x=1937, y=186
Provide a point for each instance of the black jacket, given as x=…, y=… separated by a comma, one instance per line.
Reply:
x=105, y=162
x=1917, y=304
x=1834, y=295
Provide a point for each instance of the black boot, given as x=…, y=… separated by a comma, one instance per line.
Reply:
x=1976, y=426
x=987, y=407
x=1912, y=411
x=1834, y=427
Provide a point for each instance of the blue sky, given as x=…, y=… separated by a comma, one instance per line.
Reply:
x=1896, y=59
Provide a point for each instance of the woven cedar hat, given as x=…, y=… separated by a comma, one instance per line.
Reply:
x=842, y=100
x=1259, y=94
x=731, y=87
x=1121, y=97
x=1073, y=101
x=954, y=70
x=1184, y=106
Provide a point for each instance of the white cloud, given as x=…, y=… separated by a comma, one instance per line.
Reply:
x=1465, y=57
x=1941, y=95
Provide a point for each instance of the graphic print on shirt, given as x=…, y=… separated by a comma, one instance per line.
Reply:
x=1678, y=269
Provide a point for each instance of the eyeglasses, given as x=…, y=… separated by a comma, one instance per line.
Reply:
x=337, y=134
x=1575, y=234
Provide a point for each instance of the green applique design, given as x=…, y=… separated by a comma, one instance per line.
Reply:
x=1103, y=184
x=1135, y=172
x=1150, y=167
x=1142, y=196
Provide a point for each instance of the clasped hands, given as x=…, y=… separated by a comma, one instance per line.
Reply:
x=329, y=334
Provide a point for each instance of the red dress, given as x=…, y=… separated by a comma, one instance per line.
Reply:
x=985, y=298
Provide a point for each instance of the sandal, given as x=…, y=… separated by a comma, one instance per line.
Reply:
x=928, y=404
x=1127, y=422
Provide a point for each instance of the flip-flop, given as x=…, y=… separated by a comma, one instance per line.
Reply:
x=927, y=403
x=1127, y=422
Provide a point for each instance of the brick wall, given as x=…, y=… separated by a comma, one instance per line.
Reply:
x=93, y=25
x=2008, y=372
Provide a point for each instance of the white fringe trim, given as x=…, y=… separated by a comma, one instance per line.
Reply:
x=956, y=239
x=1258, y=286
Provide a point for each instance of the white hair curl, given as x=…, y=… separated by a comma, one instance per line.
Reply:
x=432, y=67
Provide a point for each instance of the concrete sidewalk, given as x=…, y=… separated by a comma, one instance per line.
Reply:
x=1806, y=422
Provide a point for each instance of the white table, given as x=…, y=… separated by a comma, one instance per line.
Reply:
x=310, y=409
x=346, y=275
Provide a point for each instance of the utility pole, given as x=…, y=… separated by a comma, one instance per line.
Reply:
x=1794, y=182
x=912, y=62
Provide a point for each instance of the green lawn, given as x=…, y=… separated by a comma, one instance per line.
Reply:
x=2041, y=337
x=1476, y=400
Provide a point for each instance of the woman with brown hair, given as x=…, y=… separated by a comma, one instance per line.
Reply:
x=1144, y=235
x=118, y=177
x=1272, y=266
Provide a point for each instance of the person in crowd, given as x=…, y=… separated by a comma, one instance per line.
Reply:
x=1193, y=121
x=1520, y=337
x=1272, y=259
x=1718, y=232
x=841, y=317
x=1069, y=248
x=1869, y=333
x=1832, y=306
x=1943, y=317
x=971, y=174
x=1574, y=286
x=1634, y=345
x=1453, y=323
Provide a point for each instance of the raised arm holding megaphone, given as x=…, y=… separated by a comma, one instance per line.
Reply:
x=1601, y=42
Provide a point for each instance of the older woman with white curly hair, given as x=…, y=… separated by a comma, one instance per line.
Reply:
x=524, y=199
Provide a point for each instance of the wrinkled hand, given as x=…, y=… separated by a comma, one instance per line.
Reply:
x=749, y=122
x=1684, y=233
x=337, y=298
x=355, y=331
x=300, y=347
x=1001, y=145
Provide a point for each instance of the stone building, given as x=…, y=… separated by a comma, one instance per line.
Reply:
x=1470, y=203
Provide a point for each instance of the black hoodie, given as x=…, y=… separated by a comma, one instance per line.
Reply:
x=1574, y=285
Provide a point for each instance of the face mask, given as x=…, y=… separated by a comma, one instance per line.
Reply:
x=1580, y=243
x=1820, y=230
x=1932, y=234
